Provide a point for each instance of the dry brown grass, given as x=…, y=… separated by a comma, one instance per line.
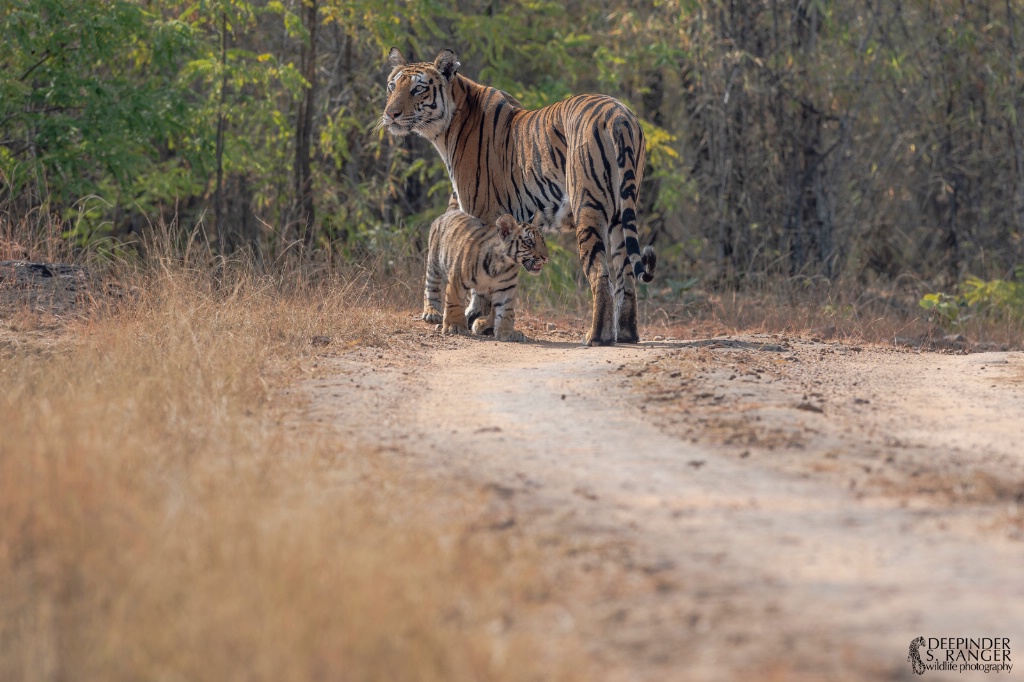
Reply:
x=883, y=312
x=164, y=515
x=35, y=236
x=826, y=310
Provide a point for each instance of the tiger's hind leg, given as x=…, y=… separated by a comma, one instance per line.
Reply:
x=628, y=331
x=625, y=290
x=591, y=237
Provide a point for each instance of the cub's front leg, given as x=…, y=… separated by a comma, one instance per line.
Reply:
x=505, y=319
x=432, y=294
x=434, y=278
x=454, y=308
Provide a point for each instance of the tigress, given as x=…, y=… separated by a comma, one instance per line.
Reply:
x=578, y=162
x=468, y=254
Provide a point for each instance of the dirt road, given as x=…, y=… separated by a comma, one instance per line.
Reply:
x=736, y=508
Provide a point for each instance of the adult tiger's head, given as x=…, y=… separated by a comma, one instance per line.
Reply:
x=525, y=243
x=419, y=95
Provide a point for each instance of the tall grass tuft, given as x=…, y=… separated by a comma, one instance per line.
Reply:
x=166, y=513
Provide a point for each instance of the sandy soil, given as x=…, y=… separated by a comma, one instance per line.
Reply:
x=734, y=508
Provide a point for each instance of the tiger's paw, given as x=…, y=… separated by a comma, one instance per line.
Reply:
x=625, y=337
x=515, y=336
x=431, y=316
x=455, y=330
x=478, y=308
x=483, y=327
x=598, y=341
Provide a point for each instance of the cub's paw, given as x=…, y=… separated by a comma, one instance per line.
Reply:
x=431, y=316
x=514, y=336
x=483, y=327
x=478, y=307
x=455, y=329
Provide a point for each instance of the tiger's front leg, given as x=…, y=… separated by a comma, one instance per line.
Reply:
x=505, y=319
x=454, y=321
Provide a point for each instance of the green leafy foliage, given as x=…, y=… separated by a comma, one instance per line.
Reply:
x=89, y=99
x=996, y=299
x=945, y=310
x=557, y=283
x=806, y=139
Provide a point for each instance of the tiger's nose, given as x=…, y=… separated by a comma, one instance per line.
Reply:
x=395, y=114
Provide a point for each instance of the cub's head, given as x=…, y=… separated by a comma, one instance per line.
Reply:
x=525, y=243
x=419, y=95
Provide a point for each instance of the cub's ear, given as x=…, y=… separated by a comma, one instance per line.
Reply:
x=396, y=58
x=506, y=225
x=447, y=62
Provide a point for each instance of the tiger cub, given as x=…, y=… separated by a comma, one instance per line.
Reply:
x=469, y=254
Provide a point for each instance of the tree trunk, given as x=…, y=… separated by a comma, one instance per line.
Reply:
x=1016, y=143
x=304, y=128
x=218, y=195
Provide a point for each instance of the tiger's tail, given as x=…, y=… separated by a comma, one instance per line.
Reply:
x=631, y=157
x=649, y=259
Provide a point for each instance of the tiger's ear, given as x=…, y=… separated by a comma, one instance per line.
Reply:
x=396, y=58
x=506, y=225
x=447, y=62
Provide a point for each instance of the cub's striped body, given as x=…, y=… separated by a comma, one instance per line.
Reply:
x=578, y=162
x=463, y=254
